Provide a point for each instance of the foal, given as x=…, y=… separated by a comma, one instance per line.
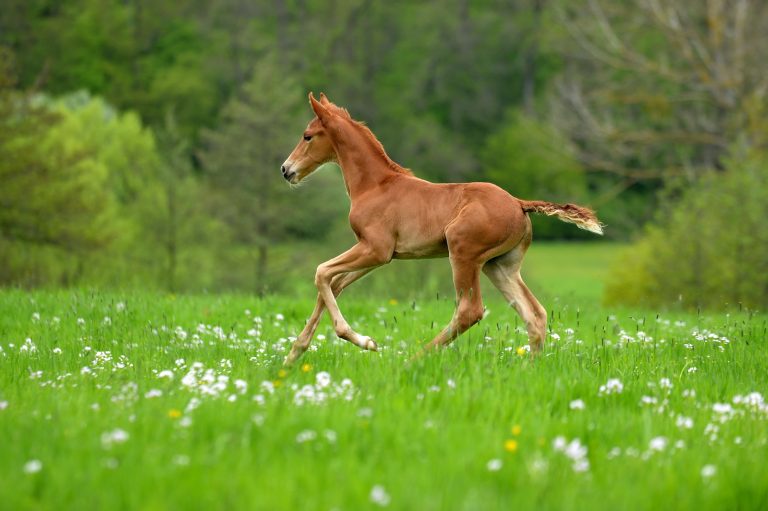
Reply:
x=396, y=215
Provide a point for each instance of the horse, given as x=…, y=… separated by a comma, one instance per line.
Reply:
x=396, y=215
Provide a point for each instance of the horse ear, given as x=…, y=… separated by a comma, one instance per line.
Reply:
x=324, y=100
x=320, y=110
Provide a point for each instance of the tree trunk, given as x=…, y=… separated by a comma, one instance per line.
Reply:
x=171, y=241
x=529, y=63
x=261, y=269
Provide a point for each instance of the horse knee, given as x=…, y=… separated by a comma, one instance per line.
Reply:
x=321, y=277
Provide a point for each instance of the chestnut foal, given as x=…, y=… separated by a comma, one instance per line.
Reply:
x=396, y=215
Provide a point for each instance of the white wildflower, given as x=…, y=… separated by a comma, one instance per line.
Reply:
x=116, y=436
x=494, y=465
x=577, y=404
x=268, y=387
x=323, y=379
x=33, y=466
x=380, y=496
x=241, y=386
x=658, y=444
x=575, y=451
x=306, y=436
x=580, y=465
x=612, y=386
x=708, y=471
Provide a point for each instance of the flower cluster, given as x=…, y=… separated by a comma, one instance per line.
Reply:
x=574, y=451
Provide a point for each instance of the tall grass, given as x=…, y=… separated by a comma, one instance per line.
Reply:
x=147, y=401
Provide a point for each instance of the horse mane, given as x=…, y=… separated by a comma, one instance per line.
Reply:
x=377, y=145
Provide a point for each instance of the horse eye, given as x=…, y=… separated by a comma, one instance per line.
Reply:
x=307, y=137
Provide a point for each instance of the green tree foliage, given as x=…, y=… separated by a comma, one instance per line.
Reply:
x=663, y=87
x=258, y=128
x=622, y=102
x=711, y=250
x=54, y=193
x=75, y=177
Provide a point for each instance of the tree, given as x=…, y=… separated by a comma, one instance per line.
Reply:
x=710, y=250
x=658, y=89
x=53, y=192
x=258, y=128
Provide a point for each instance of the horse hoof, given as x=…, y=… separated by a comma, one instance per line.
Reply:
x=368, y=344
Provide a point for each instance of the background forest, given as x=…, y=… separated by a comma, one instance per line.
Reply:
x=140, y=142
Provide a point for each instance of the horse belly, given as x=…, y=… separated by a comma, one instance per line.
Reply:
x=421, y=249
x=425, y=253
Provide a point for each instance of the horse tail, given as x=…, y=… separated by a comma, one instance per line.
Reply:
x=584, y=218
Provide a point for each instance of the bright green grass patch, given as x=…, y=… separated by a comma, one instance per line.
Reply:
x=183, y=406
x=570, y=270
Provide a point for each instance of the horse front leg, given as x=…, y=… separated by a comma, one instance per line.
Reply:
x=362, y=256
x=302, y=342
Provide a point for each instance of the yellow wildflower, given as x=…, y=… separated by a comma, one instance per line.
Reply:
x=173, y=413
x=277, y=383
x=521, y=350
x=392, y=301
x=516, y=429
x=282, y=373
x=306, y=368
x=510, y=445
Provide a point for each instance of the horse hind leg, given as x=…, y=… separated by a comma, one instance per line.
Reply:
x=469, y=308
x=504, y=273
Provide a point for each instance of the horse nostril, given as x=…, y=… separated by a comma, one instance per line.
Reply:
x=283, y=170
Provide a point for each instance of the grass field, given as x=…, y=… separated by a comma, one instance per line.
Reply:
x=147, y=401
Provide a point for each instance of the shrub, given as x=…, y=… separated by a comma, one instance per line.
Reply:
x=709, y=251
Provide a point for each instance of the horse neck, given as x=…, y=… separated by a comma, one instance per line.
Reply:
x=362, y=166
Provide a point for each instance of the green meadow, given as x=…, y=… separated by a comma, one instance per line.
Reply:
x=134, y=400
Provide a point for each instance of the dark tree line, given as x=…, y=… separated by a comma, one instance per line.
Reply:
x=150, y=132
